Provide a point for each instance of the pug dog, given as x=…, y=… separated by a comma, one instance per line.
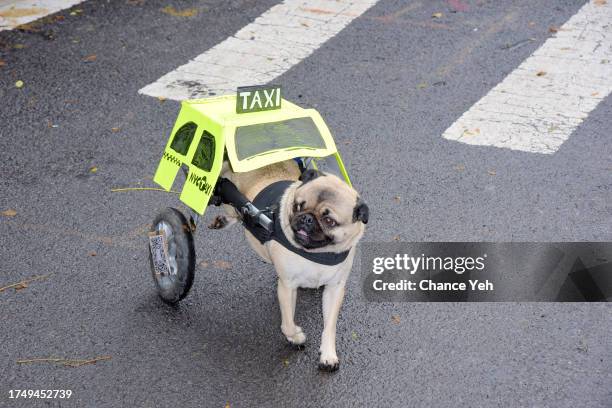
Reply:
x=320, y=216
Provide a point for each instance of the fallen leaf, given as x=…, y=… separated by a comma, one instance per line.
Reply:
x=396, y=238
x=227, y=405
x=460, y=167
x=436, y=15
x=90, y=58
x=92, y=253
x=222, y=264
x=19, y=84
x=115, y=129
x=532, y=23
x=18, y=46
x=354, y=336
x=2, y=63
x=285, y=362
x=397, y=199
x=553, y=29
x=161, y=99
x=471, y=132
x=422, y=85
x=203, y=264
x=395, y=319
x=93, y=169
x=9, y=213
x=491, y=172
x=600, y=2
x=595, y=94
x=305, y=24
x=190, y=12
x=541, y=73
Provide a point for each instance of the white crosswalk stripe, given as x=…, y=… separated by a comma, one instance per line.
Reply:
x=538, y=106
x=14, y=13
x=261, y=51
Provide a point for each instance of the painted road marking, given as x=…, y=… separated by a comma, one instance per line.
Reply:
x=261, y=51
x=538, y=105
x=14, y=13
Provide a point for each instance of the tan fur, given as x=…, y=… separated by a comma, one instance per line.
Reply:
x=251, y=183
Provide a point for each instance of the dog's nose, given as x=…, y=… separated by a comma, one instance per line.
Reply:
x=307, y=221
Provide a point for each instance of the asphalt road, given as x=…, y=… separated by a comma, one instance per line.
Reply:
x=388, y=86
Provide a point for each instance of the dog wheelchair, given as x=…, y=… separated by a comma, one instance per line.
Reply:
x=252, y=129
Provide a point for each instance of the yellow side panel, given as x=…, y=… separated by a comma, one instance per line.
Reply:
x=199, y=185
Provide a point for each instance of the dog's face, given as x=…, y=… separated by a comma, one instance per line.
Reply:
x=325, y=214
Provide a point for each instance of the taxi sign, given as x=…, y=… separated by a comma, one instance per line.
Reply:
x=258, y=98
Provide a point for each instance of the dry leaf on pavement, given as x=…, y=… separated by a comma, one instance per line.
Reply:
x=9, y=213
x=190, y=12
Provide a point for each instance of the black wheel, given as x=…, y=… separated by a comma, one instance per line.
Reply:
x=173, y=280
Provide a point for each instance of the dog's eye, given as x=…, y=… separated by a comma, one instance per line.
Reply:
x=298, y=207
x=330, y=222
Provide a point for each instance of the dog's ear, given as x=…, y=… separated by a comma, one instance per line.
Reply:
x=309, y=175
x=361, y=212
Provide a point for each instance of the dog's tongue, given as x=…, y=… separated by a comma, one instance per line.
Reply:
x=302, y=233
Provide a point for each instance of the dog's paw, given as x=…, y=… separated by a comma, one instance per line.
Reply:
x=297, y=339
x=329, y=364
x=220, y=221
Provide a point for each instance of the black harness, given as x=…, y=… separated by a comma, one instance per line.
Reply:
x=268, y=201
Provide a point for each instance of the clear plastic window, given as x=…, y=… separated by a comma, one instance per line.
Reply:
x=264, y=137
